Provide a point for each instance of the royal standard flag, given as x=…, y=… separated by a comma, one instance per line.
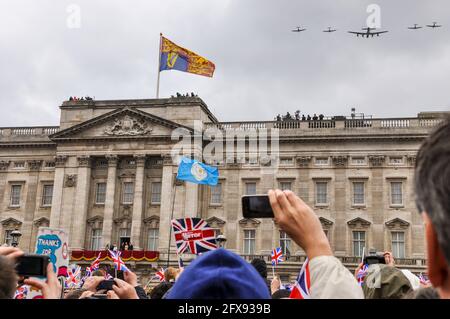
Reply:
x=195, y=172
x=174, y=57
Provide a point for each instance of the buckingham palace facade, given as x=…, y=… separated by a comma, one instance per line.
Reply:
x=106, y=176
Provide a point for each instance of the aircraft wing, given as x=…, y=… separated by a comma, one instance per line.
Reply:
x=379, y=32
x=359, y=33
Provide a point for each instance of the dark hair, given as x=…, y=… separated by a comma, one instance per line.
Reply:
x=432, y=183
x=8, y=278
x=281, y=293
x=260, y=266
x=160, y=290
x=75, y=294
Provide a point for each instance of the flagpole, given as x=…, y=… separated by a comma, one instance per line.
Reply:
x=159, y=66
x=174, y=190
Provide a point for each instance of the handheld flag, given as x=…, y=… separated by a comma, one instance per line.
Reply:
x=73, y=279
x=174, y=57
x=118, y=262
x=94, y=265
x=362, y=273
x=302, y=284
x=193, y=234
x=195, y=172
x=160, y=275
x=424, y=279
x=277, y=256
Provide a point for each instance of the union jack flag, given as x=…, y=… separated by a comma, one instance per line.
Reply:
x=118, y=262
x=361, y=274
x=160, y=275
x=21, y=292
x=302, y=284
x=424, y=279
x=108, y=276
x=277, y=256
x=73, y=277
x=94, y=265
x=193, y=234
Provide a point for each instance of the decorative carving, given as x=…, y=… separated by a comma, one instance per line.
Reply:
x=152, y=221
x=303, y=161
x=42, y=222
x=376, y=160
x=215, y=222
x=340, y=160
x=167, y=159
x=397, y=223
x=60, y=160
x=95, y=222
x=84, y=161
x=11, y=223
x=70, y=180
x=4, y=165
x=128, y=126
x=411, y=160
x=358, y=222
x=34, y=165
x=249, y=222
x=326, y=223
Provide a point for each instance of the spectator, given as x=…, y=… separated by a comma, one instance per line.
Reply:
x=130, y=247
x=425, y=293
x=261, y=267
x=75, y=294
x=160, y=290
x=432, y=188
x=170, y=274
x=219, y=274
x=388, y=283
x=8, y=278
x=329, y=278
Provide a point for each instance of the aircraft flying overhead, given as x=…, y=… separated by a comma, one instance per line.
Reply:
x=330, y=30
x=415, y=27
x=367, y=33
x=434, y=25
x=299, y=29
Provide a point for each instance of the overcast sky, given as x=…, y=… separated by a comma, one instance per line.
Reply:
x=262, y=68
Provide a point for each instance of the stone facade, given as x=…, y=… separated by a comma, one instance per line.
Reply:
x=113, y=177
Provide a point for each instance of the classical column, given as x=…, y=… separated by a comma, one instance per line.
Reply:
x=30, y=205
x=166, y=204
x=79, y=217
x=58, y=184
x=109, y=201
x=136, y=221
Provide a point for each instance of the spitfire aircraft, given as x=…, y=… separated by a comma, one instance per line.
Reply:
x=330, y=30
x=298, y=30
x=368, y=32
x=415, y=27
x=434, y=25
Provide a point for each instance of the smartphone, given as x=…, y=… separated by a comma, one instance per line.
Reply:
x=256, y=206
x=32, y=265
x=106, y=285
x=120, y=274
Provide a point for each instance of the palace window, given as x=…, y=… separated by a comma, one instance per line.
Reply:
x=153, y=238
x=96, y=239
x=249, y=241
x=8, y=237
x=250, y=188
x=398, y=244
x=216, y=194
x=47, y=194
x=15, y=195
x=358, y=193
x=321, y=193
x=128, y=193
x=285, y=186
x=156, y=193
x=285, y=243
x=100, y=194
x=396, y=193
x=359, y=242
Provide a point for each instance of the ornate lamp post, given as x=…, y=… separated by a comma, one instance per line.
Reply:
x=221, y=239
x=15, y=234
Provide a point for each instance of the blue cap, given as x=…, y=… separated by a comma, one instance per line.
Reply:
x=219, y=274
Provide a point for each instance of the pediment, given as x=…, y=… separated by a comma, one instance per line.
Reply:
x=325, y=222
x=397, y=223
x=249, y=221
x=215, y=221
x=358, y=222
x=125, y=122
x=152, y=220
x=43, y=221
x=94, y=219
x=11, y=222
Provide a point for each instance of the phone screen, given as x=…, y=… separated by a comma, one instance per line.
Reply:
x=256, y=206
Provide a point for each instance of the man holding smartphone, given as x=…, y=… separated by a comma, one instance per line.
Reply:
x=329, y=278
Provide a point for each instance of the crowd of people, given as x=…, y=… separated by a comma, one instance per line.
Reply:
x=221, y=274
x=297, y=117
x=123, y=247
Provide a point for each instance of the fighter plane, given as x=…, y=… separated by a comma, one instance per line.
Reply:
x=415, y=27
x=368, y=32
x=434, y=25
x=330, y=30
x=298, y=30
